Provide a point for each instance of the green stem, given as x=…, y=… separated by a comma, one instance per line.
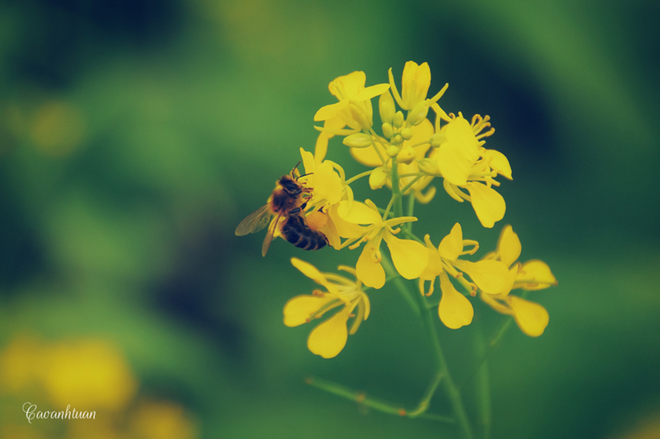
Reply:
x=409, y=211
x=374, y=403
x=484, y=410
x=357, y=177
x=426, y=399
x=396, y=190
x=400, y=285
x=452, y=391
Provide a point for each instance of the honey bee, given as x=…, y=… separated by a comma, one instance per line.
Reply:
x=287, y=201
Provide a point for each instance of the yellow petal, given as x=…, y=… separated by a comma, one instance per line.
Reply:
x=347, y=86
x=369, y=156
x=321, y=147
x=434, y=265
x=371, y=92
x=498, y=162
x=487, y=203
x=329, y=338
x=313, y=273
x=358, y=213
x=330, y=111
x=451, y=246
x=535, y=275
x=531, y=317
x=309, y=163
x=302, y=309
x=370, y=272
x=308, y=270
x=490, y=276
x=409, y=257
x=460, y=131
x=455, y=310
x=327, y=183
x=331, y=231
x=343, y=227
x=508, y=247
x=451, y=163
x=421, y=134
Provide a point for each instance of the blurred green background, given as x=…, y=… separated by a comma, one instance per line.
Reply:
x=136, y=134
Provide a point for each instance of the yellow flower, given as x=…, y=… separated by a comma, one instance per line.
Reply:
x=455, y=310
x=463, y=163
x=415, y=84
x=84, y=373
x=530, y=317
x=328, y=338
x=328, y=181
x=354, y=107
x=409, y=257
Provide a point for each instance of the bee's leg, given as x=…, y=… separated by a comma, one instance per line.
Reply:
x=296, y=210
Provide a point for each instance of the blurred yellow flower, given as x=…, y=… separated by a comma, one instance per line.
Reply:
x=88, y=374
x=328, y=338
x=409, y=257
x=455, y=310
x=530, y=317
x=162, y=420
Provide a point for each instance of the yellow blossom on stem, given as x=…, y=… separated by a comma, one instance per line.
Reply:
x=455, y=310
x=530, y=317
x=328, y=338
x=409, y=257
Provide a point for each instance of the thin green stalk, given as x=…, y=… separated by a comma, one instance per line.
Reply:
x=452, y=392
x=374, y=403
x=426, y=399
x=357, y=177
x=410, y=208
x=396, y=190
x=401, y=286
x=484, y=410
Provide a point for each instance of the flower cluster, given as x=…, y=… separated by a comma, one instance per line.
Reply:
x=406, y=155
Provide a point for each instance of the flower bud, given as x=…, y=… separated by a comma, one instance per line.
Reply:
x=407, y=133
x=378, y=177
x=388, y=131
x=438, y=139
x=429, y=166
x=406, y=155
x=357, y=140
x=386, y=107
x=392, y=150
x=397, y=140
x=417, y=114
x=398, y=119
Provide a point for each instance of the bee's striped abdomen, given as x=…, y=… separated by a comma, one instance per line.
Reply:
x=298, y=233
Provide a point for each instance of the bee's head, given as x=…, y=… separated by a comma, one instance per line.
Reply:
x=290, y=185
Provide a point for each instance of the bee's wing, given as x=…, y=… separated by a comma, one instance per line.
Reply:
x=255, y=221
x=270, y=234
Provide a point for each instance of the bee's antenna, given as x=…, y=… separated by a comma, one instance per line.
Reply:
x=295, y=167
x=304, y=175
